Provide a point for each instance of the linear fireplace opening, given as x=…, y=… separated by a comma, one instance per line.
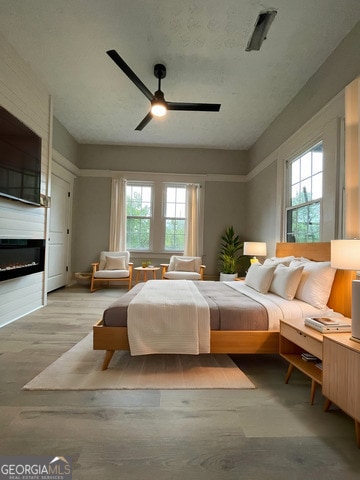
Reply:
x=20, y=257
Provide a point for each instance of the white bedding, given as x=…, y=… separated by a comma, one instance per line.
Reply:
x=151, y=329
x=279, y=308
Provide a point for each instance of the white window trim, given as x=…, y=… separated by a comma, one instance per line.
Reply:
x=159, y=181
x=288, y=185
x=165, y=185
x=147, y=184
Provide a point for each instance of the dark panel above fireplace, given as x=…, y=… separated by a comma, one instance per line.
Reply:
x=20, y=257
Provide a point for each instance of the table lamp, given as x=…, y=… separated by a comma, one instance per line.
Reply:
x=345, y=255
x=254, y=249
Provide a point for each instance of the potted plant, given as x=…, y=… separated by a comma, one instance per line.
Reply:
x=229, y=255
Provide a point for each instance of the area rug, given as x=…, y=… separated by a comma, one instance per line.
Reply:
x=80, y=369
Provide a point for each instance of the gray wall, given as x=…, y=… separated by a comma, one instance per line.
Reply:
x=224, y=201
x=261, y=208
x=91, y=220
x=224, y=206
x=163, y=160
x=339, y=69
x=64, y=143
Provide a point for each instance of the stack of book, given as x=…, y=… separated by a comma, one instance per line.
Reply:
x=329, y=324
x=308, y=357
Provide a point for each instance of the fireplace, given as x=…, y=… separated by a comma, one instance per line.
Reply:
x=20, y=257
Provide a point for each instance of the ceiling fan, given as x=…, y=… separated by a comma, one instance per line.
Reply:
x=159, y=105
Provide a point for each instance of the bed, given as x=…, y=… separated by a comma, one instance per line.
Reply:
x=264, y=339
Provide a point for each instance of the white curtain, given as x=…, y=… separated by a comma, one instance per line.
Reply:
x=192, y=236
x=117, y=241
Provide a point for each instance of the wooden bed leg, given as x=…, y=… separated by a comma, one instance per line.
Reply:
x=289, y=372
x=108, y=356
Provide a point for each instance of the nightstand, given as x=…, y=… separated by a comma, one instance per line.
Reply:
x=341, y=376
x=296, y=338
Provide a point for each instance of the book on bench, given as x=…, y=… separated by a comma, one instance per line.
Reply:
x=329, y=324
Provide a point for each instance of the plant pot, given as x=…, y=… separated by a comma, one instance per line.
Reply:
x=228, y=277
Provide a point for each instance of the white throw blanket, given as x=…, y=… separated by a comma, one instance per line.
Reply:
x=169, y=316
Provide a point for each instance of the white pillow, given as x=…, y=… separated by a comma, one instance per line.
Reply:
x=259, y=277
x=316, y=282
x=286, y=281
x=182, y=265
x=115, y=263
x=279, y=260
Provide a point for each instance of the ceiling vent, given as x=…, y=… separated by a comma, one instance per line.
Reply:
x=261, y=29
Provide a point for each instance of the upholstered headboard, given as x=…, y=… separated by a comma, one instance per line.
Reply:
x=340, y=297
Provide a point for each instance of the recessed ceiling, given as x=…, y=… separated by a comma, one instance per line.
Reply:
x=202, y=44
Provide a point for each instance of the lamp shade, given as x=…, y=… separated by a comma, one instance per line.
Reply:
x=345, y=254
x=255, y=248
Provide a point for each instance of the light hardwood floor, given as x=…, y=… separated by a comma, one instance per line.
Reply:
x=271, y=432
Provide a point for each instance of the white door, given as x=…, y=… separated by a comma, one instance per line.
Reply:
x=58, y=244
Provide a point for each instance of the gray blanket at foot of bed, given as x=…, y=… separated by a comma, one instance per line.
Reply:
x=229, y=309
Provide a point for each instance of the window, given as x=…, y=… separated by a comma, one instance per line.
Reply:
x=156, y=215
x=175, y=217
x=139, y=216
x=305, y=186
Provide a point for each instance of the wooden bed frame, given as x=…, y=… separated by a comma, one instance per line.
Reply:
x=237, y=342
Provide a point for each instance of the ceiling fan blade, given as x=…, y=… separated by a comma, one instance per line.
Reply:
x=129, y=73
x=144, y=121
x=194, y=107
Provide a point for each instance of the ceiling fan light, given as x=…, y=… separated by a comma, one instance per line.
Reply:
x=158, y=109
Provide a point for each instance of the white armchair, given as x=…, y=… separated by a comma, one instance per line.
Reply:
x=183, y=268
x=112, y=267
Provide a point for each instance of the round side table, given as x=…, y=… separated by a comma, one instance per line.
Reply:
x=144, y=271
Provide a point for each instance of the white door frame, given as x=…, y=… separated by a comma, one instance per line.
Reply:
x=64, y=169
